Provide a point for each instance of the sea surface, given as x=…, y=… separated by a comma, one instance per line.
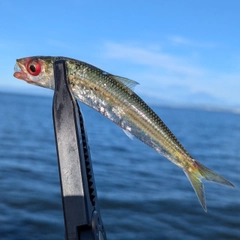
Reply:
x=141, y=194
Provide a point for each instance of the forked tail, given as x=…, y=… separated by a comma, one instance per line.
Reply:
x=200, y=171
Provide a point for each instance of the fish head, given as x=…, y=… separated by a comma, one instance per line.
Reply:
x=36, y=70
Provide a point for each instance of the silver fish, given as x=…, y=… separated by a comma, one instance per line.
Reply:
x=113, y=97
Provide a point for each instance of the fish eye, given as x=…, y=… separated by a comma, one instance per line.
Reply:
x=34, y=68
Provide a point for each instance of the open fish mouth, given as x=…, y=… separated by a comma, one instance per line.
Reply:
x=17, y=68
x=18, y=73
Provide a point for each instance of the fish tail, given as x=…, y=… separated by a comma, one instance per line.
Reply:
x=200, y=171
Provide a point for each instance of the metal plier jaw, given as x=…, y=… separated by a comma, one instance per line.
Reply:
x=79, y=196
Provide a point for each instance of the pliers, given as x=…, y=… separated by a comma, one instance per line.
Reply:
x=79, y=196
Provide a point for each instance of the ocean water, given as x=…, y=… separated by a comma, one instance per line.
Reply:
x=141, y=194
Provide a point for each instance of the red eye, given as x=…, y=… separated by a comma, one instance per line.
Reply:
x=34, y=67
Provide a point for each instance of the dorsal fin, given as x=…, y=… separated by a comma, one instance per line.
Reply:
x=126, y=81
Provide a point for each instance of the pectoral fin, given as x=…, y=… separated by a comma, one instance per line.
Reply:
x=128, y=134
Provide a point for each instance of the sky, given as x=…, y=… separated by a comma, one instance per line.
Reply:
x=180, y=51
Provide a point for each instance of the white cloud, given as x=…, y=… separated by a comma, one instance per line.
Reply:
x=158, y=71
x=144, y=56
x=179, y=40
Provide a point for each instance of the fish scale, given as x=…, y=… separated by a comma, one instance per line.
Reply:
x=114, y=98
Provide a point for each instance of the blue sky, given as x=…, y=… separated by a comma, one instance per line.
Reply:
x=182, y=51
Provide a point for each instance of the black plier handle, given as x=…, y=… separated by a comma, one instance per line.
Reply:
x=79, y=196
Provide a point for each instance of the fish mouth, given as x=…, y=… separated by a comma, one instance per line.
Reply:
x=19, y=73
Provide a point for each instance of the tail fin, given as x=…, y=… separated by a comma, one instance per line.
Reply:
x=199, y=172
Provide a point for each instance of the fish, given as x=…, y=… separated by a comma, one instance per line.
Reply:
x=114, y=97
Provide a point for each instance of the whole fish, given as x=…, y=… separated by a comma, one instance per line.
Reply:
x=113, y=96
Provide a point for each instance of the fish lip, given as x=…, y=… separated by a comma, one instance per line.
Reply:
x=21, y=75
